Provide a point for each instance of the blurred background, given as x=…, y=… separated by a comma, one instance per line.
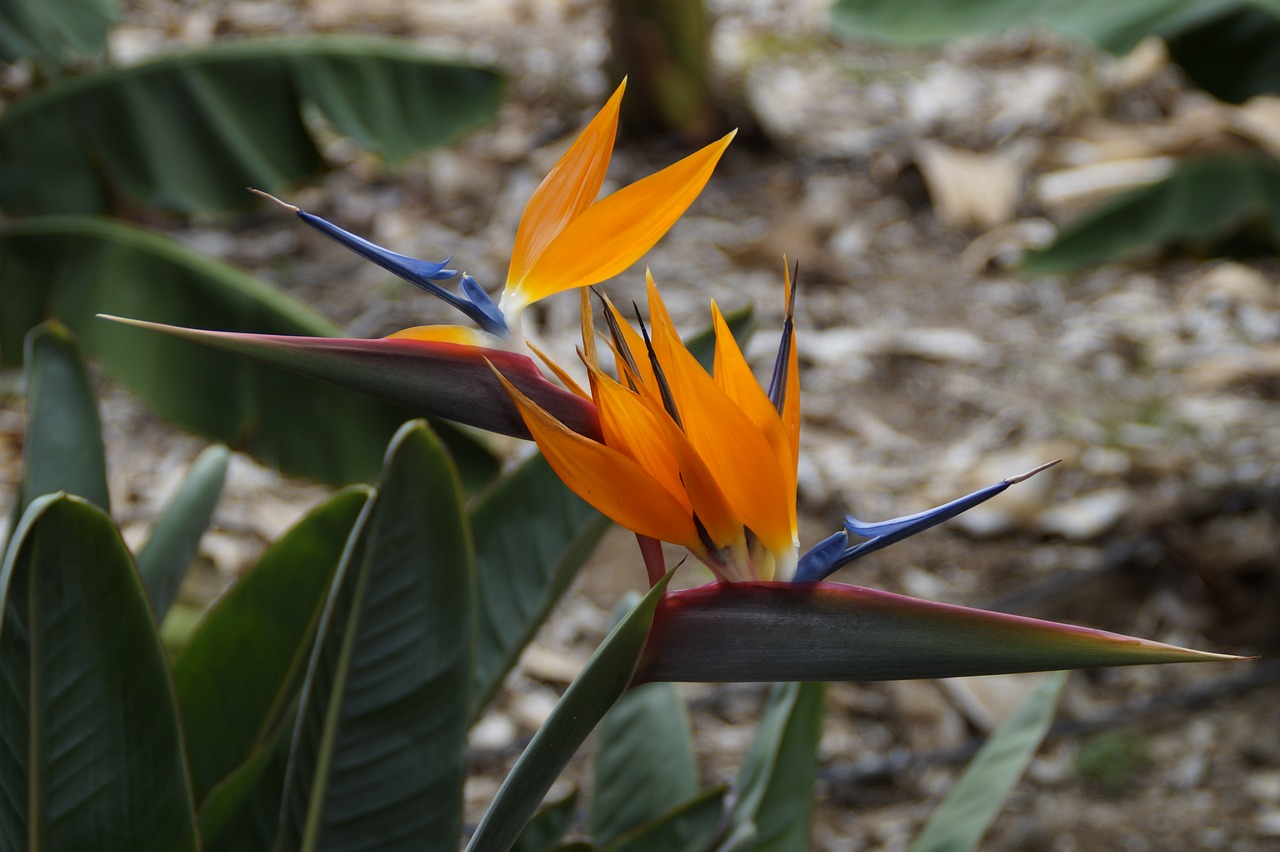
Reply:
x=1023, y=234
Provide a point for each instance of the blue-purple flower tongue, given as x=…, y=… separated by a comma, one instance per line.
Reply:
x=828, y=555
x=474, y=301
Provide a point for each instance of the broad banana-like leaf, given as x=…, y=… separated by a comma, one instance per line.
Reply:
x=175, y=537
x=242, y=668
x=54, y=34
x=1204, y=204
x=644, y=764
x=692, y=827
x=89, y=735
x=188, y=132
x=63, y=449
x=1232, y=53
x=532, y=534
x=973, y=803
x=774, y=802
x=831, y=631
x=1225, y=46
x=544, y=831
x=378, y=755
x=71, y=267
x=1116, y=27
x=583, y=705
x=446, y=380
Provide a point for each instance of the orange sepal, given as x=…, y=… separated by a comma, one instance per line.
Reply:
x=616, y=231
x=737, y=454
x=460, y=334
x=629, y=426
x=734, y=376
x=567, y=190
x=607, y=479
x=565, y=379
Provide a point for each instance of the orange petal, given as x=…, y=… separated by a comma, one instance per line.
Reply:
x=447, y=334
x=607, y=479
x=632, y=428
x=567, y=190
x=734, y=376
x=613, y=233
x=565, y=379
x=708, y=500
x=735, y=451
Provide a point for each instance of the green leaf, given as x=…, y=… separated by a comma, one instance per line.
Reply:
x=175, y=538
x=544, y=831
x=1203, y=203
x=1231, y=54
x=604, y=678
x=750, y=632
x=54, y=34
x=88, y=727
x=72, y=267
x=973, y=803
x=692, y=827
x=1116, y=27
x=775, y=782
x=63, y=449
x=189, y=131
x=242, y=668
x=378, y=757
x=242, y=811
x=532, y=536
x=644, y=764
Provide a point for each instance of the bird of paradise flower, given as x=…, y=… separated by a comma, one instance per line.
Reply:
x=675, y=453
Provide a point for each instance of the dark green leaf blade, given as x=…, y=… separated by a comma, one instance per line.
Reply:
x=544, y=831
x=54, y=34
x=775, y=782
x=175, y=537
x=1231, y=55
x=242, y=811
x=532, y=535
x=583, y=705
x=1115, y=27
x=241, y=669
x=63, y=450
x=189, y=131
x=692, y=827
x=377, y=761
x=1202, y=203
x=73, y=267
x=644, y=764
x=88, y=725
x=973, y=803
x=749, y=632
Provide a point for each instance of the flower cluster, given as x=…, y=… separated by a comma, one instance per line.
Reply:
x=705, y=460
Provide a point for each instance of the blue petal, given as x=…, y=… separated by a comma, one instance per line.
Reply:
x=911, y=524
x=487, y=315
x=881, y=535
x=423, y=273
x=817, y=563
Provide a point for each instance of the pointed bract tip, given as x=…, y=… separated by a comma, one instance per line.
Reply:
x=286, y=205
x=1023, y=477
